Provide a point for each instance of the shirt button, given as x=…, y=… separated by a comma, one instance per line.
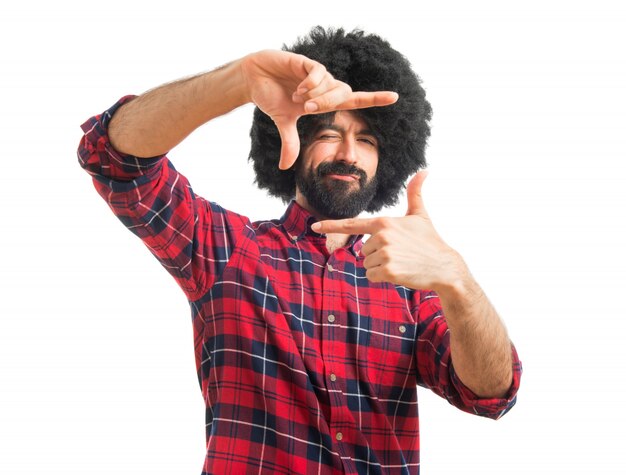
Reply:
x=294, y=238
x=339, y=436
x=331, y=318
x=402, y=329
x=330, y=268
x=333, y=377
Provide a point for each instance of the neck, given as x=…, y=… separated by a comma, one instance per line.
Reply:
x=333, y=240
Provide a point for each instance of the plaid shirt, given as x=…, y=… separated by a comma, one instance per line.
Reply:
x=305, y=366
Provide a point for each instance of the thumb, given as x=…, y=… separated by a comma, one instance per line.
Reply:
x=290, y=144
x=414, y=194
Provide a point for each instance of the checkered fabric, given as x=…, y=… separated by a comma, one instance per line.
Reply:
x=305, y=366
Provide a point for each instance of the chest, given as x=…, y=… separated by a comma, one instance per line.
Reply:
x=329, y=304
x=311, y=314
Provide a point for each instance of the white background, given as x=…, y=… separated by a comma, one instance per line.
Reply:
x=527, y=161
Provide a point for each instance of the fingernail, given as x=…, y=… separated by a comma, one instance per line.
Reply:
x=316, y=226
x=310, y=107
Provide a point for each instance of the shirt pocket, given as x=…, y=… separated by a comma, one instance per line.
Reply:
x=391, y=363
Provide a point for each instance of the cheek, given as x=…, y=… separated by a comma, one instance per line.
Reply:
x=372, y=165
x=322, y=150
x=319, y=153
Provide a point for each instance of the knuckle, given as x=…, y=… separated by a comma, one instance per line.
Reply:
x=385, y=222
x=383, y=274
x=384, y=254
x=384, y=238
x=345, y=91
x=349, y=222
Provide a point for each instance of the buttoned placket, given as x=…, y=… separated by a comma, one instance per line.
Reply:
x=331, y=321
x=333, y=350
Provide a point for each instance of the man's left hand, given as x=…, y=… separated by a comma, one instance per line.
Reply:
x=404, y=251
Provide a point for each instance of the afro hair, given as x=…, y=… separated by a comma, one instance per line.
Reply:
x=366, y=63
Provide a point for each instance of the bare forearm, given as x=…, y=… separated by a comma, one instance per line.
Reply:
x=408, y=251
x=480, y=347
x=155, y=122
x=279, y=83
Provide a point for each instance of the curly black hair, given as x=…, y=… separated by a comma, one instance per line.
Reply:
x=367, y=63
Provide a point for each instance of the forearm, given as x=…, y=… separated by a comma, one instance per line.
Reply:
x=155, y=122
x=480, y=347
x=408, y=251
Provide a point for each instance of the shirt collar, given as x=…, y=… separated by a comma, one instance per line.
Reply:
x=297, y=223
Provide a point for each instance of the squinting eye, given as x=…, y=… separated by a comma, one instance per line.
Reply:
x=328, y=137
x=369, y=142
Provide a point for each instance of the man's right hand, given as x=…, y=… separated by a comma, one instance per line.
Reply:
x=284, y=85
x=287, y=86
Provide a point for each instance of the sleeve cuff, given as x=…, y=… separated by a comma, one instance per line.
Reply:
x=98, y=157
x=493, y=408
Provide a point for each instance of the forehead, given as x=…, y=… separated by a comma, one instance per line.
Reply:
x=349, y=119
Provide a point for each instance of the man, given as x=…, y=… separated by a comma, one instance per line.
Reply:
x=309, y=343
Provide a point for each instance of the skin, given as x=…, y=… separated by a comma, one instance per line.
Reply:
x=348, y=140
x=405, y=250
x=284, y=85
x=408, y=251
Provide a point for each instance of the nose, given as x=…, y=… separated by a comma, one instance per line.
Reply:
x=347, y=151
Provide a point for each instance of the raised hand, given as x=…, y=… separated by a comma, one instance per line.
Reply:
x=287, y=86
x=406, y=250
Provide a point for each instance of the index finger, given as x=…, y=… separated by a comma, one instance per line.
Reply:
x=347, y=226
x=362, y=100
x=341, y=97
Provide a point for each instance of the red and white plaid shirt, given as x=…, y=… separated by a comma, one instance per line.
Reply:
x=306, y=367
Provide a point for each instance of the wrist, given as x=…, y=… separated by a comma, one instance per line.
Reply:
x=242, y=67
x=455, y=282
x=224, y=89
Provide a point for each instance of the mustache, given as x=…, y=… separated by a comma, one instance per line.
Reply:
x=341, y=168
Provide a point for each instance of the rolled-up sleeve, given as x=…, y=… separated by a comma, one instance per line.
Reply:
x=436, y=370
x=494, y=408
x=98, y=157
x=191, y=237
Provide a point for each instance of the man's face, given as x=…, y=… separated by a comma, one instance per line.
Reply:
x=336, y=174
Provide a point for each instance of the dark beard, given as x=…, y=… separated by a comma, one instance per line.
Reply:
x=334, y=199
